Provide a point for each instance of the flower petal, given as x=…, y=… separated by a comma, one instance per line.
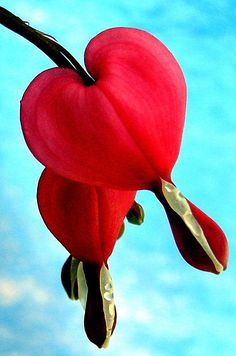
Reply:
x=92, y=285
x=121, y=132
x=200, y=240
x=100, y=311
x=85, y=219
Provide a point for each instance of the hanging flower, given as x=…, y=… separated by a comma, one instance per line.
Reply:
x=122, y=131
x=87, y=221
x=117, y=127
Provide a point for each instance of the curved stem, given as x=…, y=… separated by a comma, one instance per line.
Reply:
x=58, y=54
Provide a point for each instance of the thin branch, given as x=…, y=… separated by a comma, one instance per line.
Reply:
x=46, y=43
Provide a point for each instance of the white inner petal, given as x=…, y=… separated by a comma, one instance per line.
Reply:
x=106, y=288
x=73, y=275
x=82, y=285
x=179, y=204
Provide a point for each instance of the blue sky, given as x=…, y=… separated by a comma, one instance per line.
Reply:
x=165, y=307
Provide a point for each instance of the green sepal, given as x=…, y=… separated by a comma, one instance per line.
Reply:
x=136, y=214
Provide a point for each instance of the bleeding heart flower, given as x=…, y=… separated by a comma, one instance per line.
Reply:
x=123, y=131
x=87, y=221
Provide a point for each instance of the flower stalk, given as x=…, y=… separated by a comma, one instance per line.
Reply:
x=46, y=43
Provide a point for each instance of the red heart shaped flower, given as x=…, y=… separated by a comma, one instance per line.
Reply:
x=124, y=131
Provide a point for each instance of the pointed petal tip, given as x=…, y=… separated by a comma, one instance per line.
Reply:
x=199, y=239
x=100, y=311
x=216, y=239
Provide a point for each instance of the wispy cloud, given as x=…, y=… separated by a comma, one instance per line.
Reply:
x=13, y=291
x=37, y=15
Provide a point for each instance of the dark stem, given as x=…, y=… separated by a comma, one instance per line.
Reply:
x=46, y=43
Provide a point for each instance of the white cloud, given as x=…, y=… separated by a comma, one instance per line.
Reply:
x=5, y=332
x=34, y=15
x=131, y=352
x=13, y=290
x=170, y=278
x=133, y=309
x=9, y=293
